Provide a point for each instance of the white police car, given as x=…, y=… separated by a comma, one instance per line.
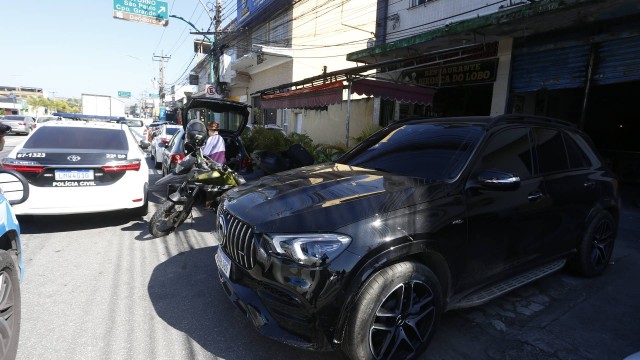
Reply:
x=77, y=166
x=14, y=189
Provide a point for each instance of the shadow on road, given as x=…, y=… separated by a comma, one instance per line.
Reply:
x=186, y=294
x=32, y=224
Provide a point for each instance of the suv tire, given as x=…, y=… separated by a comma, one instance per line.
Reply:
x=395, y=315
x=596, y=246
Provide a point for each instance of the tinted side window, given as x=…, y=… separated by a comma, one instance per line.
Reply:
x=552, y=155
x=172, y=131
x=577, y=157
x=510, y=151
x=172, y=142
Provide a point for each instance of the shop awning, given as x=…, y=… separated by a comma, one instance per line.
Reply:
x=309, y=97
x=393, y=91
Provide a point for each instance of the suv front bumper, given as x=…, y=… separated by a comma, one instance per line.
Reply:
x=284, y=312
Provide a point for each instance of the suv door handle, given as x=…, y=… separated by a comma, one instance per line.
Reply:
x=535, y=196
x=589, y=184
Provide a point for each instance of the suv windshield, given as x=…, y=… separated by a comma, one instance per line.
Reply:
x=424, y=150
x=77, y=138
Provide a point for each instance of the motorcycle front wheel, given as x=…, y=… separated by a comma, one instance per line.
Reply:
x=165, y=220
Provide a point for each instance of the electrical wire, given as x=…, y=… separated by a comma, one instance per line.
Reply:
x=164, y=28
x=234, y=40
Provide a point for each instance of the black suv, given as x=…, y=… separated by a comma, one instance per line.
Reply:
x=422, y=217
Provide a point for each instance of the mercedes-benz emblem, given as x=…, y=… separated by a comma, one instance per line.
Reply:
x=74, y=158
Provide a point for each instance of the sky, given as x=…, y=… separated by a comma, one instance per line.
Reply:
x=71, y=47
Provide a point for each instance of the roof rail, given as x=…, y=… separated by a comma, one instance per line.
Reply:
x=524, y=117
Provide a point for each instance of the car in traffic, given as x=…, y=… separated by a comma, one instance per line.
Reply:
x=81, y=167
x=14, y=189
x=173, y=153
x=424, y=216
x=43, y=119
x=232, y=118
x=137, y=127
x=20, y=124
x=154, y=126
x=160, y=140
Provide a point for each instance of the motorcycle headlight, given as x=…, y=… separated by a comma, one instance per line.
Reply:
x=309, y=249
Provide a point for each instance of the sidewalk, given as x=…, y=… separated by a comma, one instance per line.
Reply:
x=558, y=317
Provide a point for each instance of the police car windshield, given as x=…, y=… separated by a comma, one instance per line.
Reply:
x=77, y=138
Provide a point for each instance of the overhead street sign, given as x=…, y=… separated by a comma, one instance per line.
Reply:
x=144, y=11
x=124, y=94
x=154, y=96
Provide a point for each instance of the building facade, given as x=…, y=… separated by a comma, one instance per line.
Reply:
x=577, y=60
x=13, y=99
x=274, y=42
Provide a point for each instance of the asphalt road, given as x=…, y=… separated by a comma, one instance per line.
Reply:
x=100, y=287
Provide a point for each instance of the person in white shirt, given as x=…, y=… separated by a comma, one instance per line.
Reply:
x=214, y=147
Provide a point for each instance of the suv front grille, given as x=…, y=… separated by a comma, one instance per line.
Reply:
x=236, y=238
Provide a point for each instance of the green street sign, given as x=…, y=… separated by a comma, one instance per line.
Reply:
x=154, y=96
x=124, y=94
x=144, y=11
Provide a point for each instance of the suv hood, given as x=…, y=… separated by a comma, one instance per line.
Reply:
x=324, y=197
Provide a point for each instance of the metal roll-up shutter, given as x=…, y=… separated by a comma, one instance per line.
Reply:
x=557, y=68
x=618, y=61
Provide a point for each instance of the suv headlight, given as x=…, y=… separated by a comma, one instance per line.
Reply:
x=309, y=249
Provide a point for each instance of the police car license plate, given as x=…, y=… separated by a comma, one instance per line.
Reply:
x=73, y=175
x=223, y=262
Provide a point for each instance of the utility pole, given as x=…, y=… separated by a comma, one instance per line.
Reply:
x=161, y=59
x=215, y=46
x=218, y=18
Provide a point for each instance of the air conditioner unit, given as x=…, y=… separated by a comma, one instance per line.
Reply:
x=371, y=43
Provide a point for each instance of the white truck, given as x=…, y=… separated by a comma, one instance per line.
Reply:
x=102, y=105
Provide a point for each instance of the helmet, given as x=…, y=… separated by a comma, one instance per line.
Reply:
x=196, y=132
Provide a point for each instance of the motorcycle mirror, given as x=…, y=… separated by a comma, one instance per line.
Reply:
x=185, y=165
x=189, y=147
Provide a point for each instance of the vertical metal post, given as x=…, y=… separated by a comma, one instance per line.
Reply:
x=587, y=87
x=161, y=59
x=348, y=110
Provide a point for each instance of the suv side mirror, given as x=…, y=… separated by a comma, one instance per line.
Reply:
x=144, y=144
x=497, y=180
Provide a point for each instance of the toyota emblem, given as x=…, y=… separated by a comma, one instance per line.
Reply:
x=74, y=158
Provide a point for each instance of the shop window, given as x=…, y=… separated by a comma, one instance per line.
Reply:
x=387, y=108
x=263, y=116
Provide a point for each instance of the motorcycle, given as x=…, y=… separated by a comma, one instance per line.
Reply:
x=193, y=175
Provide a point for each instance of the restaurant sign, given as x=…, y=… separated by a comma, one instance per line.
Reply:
x=475, y=72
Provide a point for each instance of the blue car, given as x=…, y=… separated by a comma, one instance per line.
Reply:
x=14, y=189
